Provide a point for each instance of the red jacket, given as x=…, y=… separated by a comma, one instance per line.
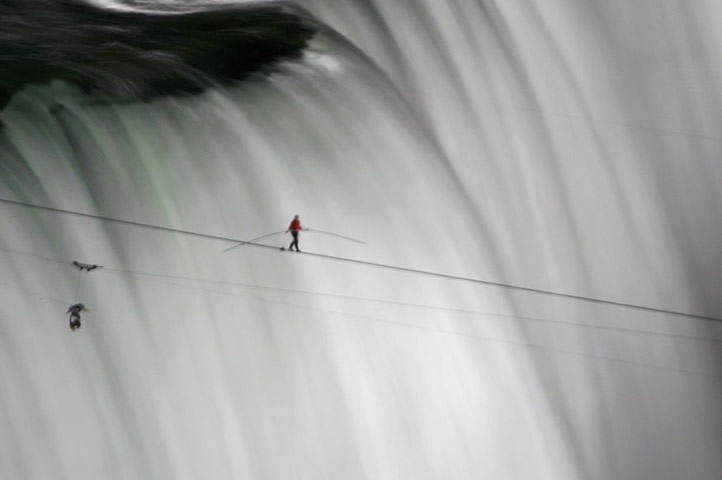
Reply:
x=295, y=226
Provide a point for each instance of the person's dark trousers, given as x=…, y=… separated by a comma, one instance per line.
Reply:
x=294, y=242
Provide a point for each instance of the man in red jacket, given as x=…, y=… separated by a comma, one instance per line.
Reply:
x=294, y=228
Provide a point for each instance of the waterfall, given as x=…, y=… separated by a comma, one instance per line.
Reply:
x=504, y=163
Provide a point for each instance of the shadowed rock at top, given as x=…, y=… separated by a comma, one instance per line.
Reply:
x=127, y=56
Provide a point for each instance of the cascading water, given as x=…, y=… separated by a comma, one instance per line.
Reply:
x=562, y=150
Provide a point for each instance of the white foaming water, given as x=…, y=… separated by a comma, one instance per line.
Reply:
x=500, y=142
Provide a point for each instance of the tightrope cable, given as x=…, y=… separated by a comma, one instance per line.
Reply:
x=507, y=286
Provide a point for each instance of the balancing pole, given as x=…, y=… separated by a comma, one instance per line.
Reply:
x=253, y=240
x=336, y=235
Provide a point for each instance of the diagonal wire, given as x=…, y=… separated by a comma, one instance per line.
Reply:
x=508, y=286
